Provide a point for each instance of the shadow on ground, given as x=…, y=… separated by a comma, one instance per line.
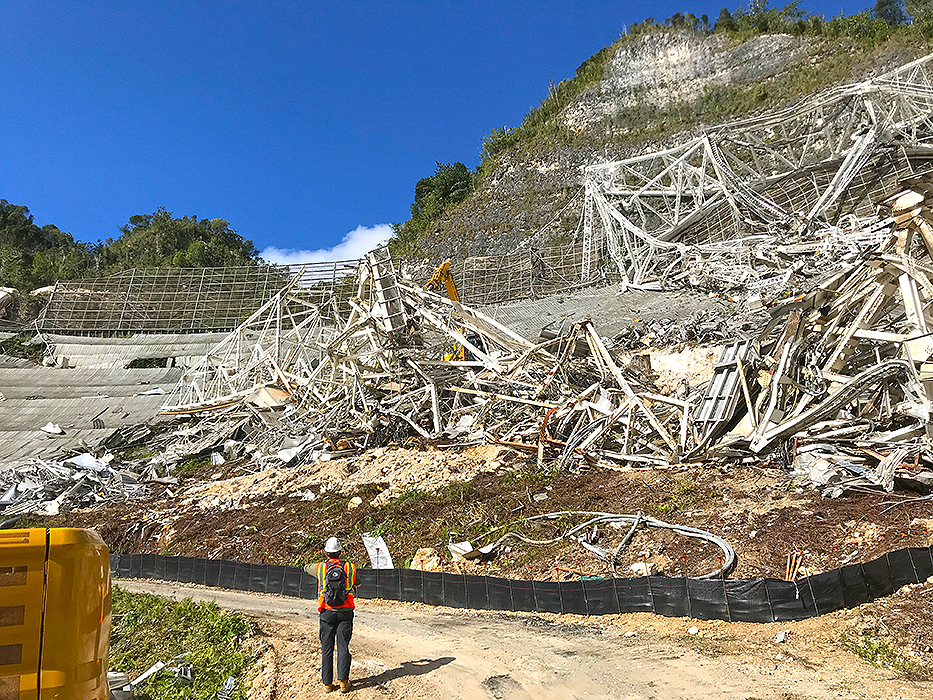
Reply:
x=408, y=668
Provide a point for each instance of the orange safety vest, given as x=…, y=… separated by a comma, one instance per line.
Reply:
x=350, y=570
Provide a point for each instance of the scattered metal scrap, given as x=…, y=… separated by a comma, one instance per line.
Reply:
x=841, y=371
x=838, y=385
x=702, y=327
x=43, y=487
x=587, y=534
x=838, y=377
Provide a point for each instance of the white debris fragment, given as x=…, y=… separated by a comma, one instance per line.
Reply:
x=45, y=486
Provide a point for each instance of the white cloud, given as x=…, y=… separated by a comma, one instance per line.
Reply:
x=354, y=245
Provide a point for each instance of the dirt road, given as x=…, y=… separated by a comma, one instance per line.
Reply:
x=401, y=651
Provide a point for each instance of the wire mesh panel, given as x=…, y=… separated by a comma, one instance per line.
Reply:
x=523, y=274
x=178, y=300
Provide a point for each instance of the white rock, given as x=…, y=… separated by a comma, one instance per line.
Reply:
x=426, y=559
x=643, y=568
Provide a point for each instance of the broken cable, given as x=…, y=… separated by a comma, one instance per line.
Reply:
x=729, y=560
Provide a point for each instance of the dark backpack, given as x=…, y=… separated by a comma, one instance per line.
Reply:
x=335, y=584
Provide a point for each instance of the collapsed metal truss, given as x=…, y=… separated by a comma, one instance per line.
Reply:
x=747, y=201
x=382, y=373
x=277, y=346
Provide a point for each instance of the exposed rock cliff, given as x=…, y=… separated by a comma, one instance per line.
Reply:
x=656, y=89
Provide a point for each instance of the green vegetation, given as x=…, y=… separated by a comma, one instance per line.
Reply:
x=449, y=185
x=541, y=125
x=683, y=496
x=192, y=466
x=879, y=653
x=32, y=257
x=160, y=240
x=19, y=346
x=147, y=628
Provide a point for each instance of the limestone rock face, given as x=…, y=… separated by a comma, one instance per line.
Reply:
x=665, y=68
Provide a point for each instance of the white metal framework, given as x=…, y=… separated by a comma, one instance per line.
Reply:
x=738, y=204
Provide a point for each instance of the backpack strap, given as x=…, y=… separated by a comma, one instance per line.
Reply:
x=321, y=574
x=348, y=570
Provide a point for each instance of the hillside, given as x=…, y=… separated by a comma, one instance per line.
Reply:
x=652, y=88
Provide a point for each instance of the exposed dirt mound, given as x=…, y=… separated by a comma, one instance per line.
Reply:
x=393, y=471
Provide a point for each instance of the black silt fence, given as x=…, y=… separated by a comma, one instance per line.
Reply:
x=735, y=600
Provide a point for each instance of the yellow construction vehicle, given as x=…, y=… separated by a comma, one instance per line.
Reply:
x=54, y=614
x=442, y=277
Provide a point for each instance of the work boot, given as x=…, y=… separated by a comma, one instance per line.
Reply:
x=330, y=688
x=345, y=686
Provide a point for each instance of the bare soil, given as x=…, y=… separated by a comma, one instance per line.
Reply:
x=763, y=515
x=406, y=651
x=756, y=508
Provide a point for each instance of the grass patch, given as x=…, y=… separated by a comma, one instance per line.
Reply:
x=683, y=496
x=879, y=653
x=192, y=466
x=147, y=628
x=138, y=452
x=723, y=645
x=20, y=346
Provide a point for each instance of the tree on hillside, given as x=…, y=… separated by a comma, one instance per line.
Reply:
x=161, y=240
x=679, y=20
x=643, y=27
x=19, y=237
x=891, y=11
x=724, y=23
x=450, y=184
x=793, y=12
x=62, y=258
x=31, y=256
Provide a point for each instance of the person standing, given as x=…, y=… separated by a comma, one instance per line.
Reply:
x=336, y=580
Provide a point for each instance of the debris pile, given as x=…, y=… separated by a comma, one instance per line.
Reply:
x=44, y=486
x=837, y=386
x=704, y=327
x=388, y=373
x=837, y=377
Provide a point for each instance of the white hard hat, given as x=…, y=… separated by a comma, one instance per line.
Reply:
x=333, y=546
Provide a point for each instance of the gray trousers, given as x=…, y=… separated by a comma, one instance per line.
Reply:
x=336, y=626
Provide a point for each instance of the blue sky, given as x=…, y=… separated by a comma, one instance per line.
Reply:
x=303, y=124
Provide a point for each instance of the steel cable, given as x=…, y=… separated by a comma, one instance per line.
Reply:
x=596, y=518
